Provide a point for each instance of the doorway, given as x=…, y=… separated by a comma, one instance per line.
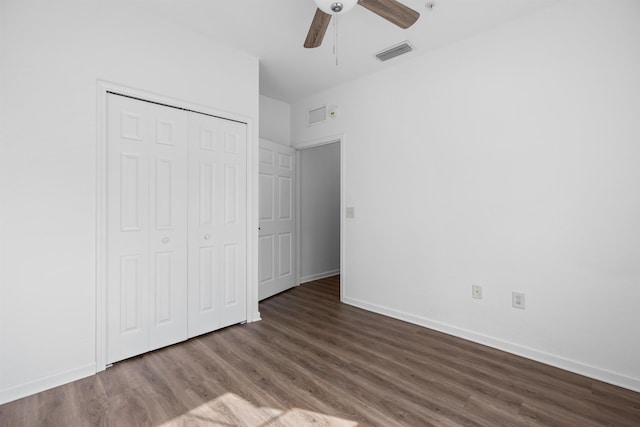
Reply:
x=319, y=212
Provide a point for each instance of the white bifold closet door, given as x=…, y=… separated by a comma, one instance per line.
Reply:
x=176, y=216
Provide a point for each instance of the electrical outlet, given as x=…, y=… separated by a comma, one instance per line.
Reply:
x=517, y=300
x=476, y=291
x=351, y=212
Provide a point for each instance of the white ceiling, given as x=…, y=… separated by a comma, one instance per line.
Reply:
x=274, y=31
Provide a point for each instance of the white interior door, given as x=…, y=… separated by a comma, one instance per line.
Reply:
x=277, y=225
x=146, y=227
x=217, y=223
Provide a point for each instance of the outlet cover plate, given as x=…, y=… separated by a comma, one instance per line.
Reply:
x=476, y=291
x=517, y=300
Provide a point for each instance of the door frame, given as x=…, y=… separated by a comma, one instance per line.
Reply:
x=102, y=90
x=331, y=139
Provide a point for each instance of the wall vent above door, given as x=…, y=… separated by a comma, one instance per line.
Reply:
x=317, y=115
x=393, y=51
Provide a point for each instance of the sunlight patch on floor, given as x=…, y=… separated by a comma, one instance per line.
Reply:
x=230, y=410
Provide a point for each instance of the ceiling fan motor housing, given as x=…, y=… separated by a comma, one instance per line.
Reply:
x=334, y=7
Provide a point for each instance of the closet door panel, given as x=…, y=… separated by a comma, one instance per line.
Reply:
x=168, y=235
x=127, y=228
x=217, y=220
x=233, y=235
x=204, y=217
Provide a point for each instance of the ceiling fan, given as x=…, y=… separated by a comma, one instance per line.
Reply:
x=391, y=10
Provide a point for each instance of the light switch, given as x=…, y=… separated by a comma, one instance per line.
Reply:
x=351, y=212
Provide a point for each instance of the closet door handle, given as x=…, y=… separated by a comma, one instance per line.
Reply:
x=207, y=236
x=165, y=240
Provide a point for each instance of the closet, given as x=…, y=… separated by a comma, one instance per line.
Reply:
x=176, y=225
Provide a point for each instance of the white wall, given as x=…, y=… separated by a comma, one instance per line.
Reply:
x=508, y=160
x=319, y=174
x=52, y=54
x=275, y=120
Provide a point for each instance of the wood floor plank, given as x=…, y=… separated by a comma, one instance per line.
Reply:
x=313, y=361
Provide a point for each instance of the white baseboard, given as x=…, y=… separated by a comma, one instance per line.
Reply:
x=318, y=276
x=42, y=384
x=529, y=353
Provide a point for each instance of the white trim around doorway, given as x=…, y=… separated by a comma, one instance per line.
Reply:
x=331, y=139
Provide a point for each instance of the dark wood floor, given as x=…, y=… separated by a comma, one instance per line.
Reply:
x=314, y=361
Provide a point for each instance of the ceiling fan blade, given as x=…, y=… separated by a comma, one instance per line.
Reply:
x=392, y=10
x=318, y=29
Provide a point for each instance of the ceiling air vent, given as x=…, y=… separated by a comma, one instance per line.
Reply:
x=393, y=51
